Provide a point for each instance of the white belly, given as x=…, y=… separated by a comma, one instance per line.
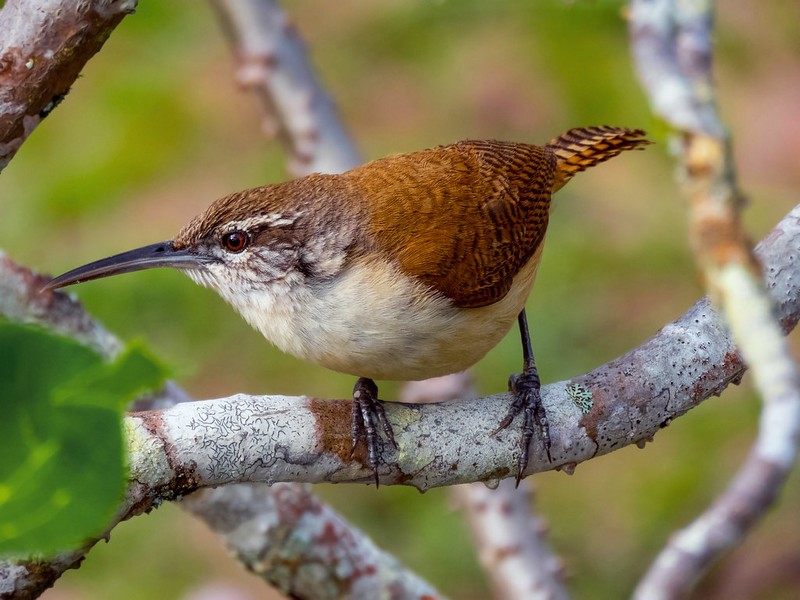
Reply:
x=375, y=323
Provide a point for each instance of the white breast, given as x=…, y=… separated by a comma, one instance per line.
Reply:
x=372, y=321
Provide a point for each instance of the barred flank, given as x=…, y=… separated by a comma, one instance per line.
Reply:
x=584, y=147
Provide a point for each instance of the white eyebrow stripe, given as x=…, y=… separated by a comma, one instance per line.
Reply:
x=267, y=220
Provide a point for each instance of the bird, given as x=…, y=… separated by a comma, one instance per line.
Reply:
x=405, y=268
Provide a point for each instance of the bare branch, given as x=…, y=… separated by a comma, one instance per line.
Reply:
x=274, y=64
x=304, y=439
x=672, y=46
x=633, y=397
x=44, y=44
x=302, y=546
x=21, y=300
x=509, y=539
x=262, y=40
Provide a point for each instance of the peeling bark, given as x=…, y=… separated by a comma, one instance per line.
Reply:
x=43, y=47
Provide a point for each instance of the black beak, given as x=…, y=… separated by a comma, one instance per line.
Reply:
x=163, y=254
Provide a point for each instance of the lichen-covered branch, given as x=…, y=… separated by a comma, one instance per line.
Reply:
x=270, y=439
x=302, y=546
x=21, y=301
x=273, y=63
x=44, y=44
x=274, y=438
x=509, y=539
x=672, y=47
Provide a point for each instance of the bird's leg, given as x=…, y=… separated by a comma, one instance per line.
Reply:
x=525, y=388
x=368, y=413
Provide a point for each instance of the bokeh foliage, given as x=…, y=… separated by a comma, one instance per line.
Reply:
x=156, y=129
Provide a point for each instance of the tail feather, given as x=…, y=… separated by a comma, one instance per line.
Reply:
x=583, y=147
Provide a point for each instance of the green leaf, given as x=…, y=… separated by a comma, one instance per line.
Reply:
x=62, y=461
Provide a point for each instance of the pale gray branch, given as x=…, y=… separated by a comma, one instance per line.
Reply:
x=274, y=64
x=509, y=539
x=21, y=300
x=511, y=542
x=300, y=439
x=36, y=29
x=672, y=45
x=280, y=438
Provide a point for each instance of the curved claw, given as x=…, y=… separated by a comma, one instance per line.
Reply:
x=527, y=399
x=368, y=413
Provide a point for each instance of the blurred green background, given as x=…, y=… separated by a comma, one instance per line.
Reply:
x=156, y=128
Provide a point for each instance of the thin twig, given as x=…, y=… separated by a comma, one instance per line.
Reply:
x=672, y=46
x=273, y=62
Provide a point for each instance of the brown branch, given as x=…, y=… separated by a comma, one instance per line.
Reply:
x=672, y=45
x=44, y=44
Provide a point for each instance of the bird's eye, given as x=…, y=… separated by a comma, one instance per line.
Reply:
x=235, y=241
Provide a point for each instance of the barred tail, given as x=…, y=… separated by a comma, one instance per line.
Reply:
x=584, y=147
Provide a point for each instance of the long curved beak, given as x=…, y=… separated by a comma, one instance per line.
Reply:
x=163, y=254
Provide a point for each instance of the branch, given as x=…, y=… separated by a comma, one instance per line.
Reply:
x=21, y=301
x=277, y=438
x=302, y=546
x=509, y=539
x=290, y=516
x=634, y=396
x=44, y=44
x=274, y=64
x=672, y=46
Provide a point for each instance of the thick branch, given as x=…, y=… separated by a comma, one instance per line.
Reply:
x=271, y=438
x=190, y=445
x=368, y=566
x=509, y=539
x=44, y=44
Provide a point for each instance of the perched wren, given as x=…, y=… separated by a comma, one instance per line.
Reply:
x=408, y=267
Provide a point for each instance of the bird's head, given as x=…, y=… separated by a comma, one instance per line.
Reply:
x=244, y=243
